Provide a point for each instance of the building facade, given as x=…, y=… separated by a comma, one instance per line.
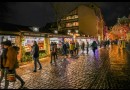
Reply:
x=84, y=19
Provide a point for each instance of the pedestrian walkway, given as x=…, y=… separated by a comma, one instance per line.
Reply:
x=108, y=69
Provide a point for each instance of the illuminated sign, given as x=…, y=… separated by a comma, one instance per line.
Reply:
x=34, y=34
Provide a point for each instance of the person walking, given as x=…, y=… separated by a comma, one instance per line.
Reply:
x=82, y=46
x=67, y=45
x=11, y=63
x=51, y=48
x=119, y=44
x=53, y=52
x=2, y=59
x=64, y=49
x=76, y=47
x=94, y=46
x=87, y=46
x=35, y=55
x=71, y=49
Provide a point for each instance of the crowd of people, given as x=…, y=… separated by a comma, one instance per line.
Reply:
x=71, y=48
x=8, y=56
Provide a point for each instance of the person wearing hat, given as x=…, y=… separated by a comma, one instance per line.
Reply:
x=10, y=63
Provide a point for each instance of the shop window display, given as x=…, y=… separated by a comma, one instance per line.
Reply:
x=27, y=43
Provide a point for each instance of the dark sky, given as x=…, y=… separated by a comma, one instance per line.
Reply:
x=40, y=13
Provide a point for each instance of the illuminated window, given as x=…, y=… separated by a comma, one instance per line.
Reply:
x=68, y=25
x=75, y=23
x=75, y=16
x=69, y=17
x=63, y=19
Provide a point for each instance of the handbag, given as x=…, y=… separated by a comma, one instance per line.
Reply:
x=11, y=77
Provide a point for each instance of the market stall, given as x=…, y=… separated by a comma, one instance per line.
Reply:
x=59, y=39
x=13, y=36
x=27, y=42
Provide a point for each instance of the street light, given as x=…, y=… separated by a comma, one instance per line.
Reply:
x=76, y=31
x=35, y=29
x=55, y=31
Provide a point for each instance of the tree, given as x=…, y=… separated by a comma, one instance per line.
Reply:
x=123, y=21
x=120, y=30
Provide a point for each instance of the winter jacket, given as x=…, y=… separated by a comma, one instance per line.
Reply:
x=35, y=51
x=3, y=57
x=11, y=58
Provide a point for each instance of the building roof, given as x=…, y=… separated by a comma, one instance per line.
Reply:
x=90, y=5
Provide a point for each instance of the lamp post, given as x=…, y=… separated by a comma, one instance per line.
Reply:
x=35, y=29
x=56, y=31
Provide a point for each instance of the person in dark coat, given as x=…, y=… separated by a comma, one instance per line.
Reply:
x=87, y=47
x=83, y=47
x=64, y=47
x=53, y=52
x=11, y=63
x=94, y=46
x=76, y=47
x=35, y=54
x=2, y=59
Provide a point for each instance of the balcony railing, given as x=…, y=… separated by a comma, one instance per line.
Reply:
x=70, y=20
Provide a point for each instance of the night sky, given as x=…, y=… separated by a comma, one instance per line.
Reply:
x=40, y=13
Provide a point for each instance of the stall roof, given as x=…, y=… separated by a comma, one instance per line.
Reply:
x=5, y=27
x=12, y=27
x=8, y=27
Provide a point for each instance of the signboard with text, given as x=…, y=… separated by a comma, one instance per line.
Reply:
x=34, y=34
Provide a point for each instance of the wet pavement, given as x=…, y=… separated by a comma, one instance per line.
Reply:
x=108, y=69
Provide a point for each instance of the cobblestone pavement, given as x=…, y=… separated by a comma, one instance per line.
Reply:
x=108, y=69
